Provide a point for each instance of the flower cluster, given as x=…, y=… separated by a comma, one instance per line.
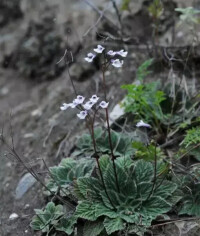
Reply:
x=84, y=107
x=115, y=62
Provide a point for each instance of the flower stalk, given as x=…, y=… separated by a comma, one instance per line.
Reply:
x=109, y=134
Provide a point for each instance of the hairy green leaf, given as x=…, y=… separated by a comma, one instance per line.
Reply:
x=86, y=210
x=66, y=224
x=93, y=228
x=143, y=171
x=113, y=225
x=154, y=206
x=47, y=217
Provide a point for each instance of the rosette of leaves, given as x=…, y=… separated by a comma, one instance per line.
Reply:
x=69, y=170
x=121, y=144
x=53, y=218
x=139, y=199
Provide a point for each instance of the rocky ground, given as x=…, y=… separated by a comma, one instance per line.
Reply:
x=33, y=86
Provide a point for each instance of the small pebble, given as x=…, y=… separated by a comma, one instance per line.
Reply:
x=26, y=206
x=25, y=183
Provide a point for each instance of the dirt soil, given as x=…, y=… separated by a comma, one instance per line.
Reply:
x=31, y=103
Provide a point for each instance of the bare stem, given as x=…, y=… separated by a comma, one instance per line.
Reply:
x=97, y=160
x=109, y=134
x=111, y=149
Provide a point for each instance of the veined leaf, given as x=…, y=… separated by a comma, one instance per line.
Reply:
x=143, y=171
x=102, y=210
x=113, y=225
x=67, y=224
x=165, y=189
x=86, y=210
x=93, y=228
x=110, y=178
x=154, y=206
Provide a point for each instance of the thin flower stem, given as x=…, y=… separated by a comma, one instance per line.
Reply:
x=104, y=84
x=72, y=82
x=97, y=160
x=109, y=134
x=111, y=149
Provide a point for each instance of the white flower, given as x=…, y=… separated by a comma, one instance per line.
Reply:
x=82, y=115
x=79, y=99
x=94, y=98
x=13, y=216
x=103, y=104
x=111, y=53
x=122, y=53
x=88, y=105
x=67, y=105
x=64, y=106
x=99, y=49
x=142, y=124
x=73, y=104
x=90, y=57
x=117, y=63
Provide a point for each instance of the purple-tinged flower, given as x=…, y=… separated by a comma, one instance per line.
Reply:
x=117, y=63
x=111, y=53
x=99, y=49
x=142, y=124
x=90, y=57
x=88, y=105
x=103, y=104
x=122, y=53
x=82, y=115
x=94, y=98
x=79, y=99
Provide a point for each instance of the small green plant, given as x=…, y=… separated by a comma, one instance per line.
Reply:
x=121, y=144
x=147, y=152
x=63, y=175
x=156, y=9
x=144, y=100
x=45, y=219
x=125, y=5
x=53, y=218
x=188, y=15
